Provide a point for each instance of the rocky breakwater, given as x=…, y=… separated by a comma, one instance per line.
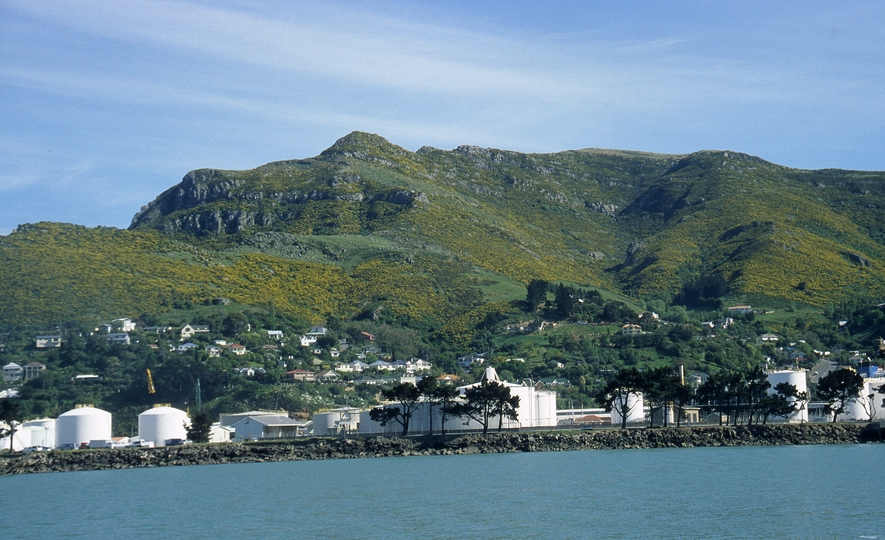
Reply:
x=316, y=449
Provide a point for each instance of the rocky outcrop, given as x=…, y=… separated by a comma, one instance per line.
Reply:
x=315, y=449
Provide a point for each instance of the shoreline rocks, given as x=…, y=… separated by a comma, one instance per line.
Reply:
x=492, y=443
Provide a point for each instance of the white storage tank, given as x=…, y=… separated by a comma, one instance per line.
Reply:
x=42, y=432
x=797, y=379
x=82, y=425
x=161, y=424
x=863, y=407
x=635, y=406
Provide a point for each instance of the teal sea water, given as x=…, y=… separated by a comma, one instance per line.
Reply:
x=751, y=492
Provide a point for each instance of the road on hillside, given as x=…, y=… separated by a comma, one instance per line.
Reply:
x=820, y=369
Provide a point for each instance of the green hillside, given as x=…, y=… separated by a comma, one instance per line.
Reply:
x=367, y=225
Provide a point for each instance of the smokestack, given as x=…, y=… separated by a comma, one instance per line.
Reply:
x=682, y=374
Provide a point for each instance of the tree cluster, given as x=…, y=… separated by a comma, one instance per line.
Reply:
x=481, y=403
x=739, y=396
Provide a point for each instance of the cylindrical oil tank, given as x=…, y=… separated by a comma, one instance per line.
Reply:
x=797, y=379
x=42, y=432
x=326, y=423
x=634, y=407
x=863, y=407
x=161, y=424
x=82, y=425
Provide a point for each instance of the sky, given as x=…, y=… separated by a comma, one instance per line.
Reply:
x=104, y=105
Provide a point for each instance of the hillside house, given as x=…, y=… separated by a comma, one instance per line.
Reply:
x=740, y=309
x=238, y=349
x=186, y=347
x=213, y=350
x=448, y=379
x=121, y=337
x=631, y=330
x=317, y=331
x=276, y=335
x=300, y=375
x=48, y=341
x=189, y=330
x=328, y=376
x=768, y=338
x=34, y=370
x=13, y=372
x=119, y=325
x=473, y=358
x=158, y=329
x=417, y=364
x=381, y=365
x=307, y=341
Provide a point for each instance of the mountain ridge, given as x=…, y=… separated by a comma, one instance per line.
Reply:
x=457, y=225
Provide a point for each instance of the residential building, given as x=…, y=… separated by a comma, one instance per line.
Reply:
x=122, y=338
x=48, y=341
x=631, y=330
x=34, y=370
x=301, y=375
x=473, y=358
x=13, y=372
x=186, y=347
x=189, y=330
x=238, y=349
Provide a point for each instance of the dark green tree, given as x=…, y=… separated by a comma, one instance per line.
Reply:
x=659, y=387
x=565, y=300
x=10, y=415
x=838, y=388
x=486, y=400
x=200, y=428
x=407, y=397
x=754, y=394
x=444, y=396
x=621, y=394
x=785, y=400
x=536, y=292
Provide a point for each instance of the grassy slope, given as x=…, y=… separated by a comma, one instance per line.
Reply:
x=477, y=224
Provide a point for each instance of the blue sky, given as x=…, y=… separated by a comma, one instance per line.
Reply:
x=104, y=105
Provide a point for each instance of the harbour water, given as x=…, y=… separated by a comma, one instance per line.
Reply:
x=736, y=492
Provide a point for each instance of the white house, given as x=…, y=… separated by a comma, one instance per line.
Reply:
x=120, y=325
x=238, y=349
x=48, y=341
x=631, y=330
x=317, y=331
x=13, y=372
x=121, y=337
x=189, y=330
x=308, y=340
x=473, y=358
x=186, y=347
x=276, y=335
x=381, y=365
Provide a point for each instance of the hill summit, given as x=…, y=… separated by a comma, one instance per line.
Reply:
x=635, y=222
x=448, y=234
